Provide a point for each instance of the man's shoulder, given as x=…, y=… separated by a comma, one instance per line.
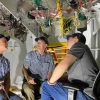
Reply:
x=47, y=53
x=4, y=58
x=79, y=44
x=31, y=52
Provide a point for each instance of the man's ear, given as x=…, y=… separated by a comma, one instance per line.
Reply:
x=46, y=45
x=76, y=39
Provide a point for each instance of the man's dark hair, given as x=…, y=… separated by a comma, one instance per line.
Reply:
x=80, y=36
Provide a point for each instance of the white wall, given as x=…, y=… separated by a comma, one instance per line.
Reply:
x=16, y=53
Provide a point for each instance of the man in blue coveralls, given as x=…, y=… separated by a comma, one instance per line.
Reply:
x=5, y=72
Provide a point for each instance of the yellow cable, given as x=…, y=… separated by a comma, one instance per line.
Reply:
x=60, y=16
x=61, y=24
x=75, y=21
x=66, y=30
x=42, y=27
x=67, y=20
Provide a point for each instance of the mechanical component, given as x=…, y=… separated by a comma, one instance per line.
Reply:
x=73, y=4
x=83, y=23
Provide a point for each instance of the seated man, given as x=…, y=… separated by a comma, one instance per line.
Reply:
x=38, y=67
x=5, y=72
x=80, y=65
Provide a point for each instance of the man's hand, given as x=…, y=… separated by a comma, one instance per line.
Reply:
x=1, y=82
x=1, y=87
x=31, y=81
x=28, y=78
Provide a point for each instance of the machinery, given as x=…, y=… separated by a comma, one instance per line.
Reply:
x=51, y=18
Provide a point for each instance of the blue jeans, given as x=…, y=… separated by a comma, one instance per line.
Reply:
x=11, y=95
x=57, y=92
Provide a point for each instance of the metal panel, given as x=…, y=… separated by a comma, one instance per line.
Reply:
x=13, y=8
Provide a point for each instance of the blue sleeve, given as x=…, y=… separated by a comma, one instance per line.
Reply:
x=51, y=67
x=27, y=60
x=8, y=68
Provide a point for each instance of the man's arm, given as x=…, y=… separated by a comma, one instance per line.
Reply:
x=27, y=62
x=62, y=67
x=24, y=70
x=27, y=77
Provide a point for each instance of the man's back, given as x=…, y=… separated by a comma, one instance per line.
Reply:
x=85, y=68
